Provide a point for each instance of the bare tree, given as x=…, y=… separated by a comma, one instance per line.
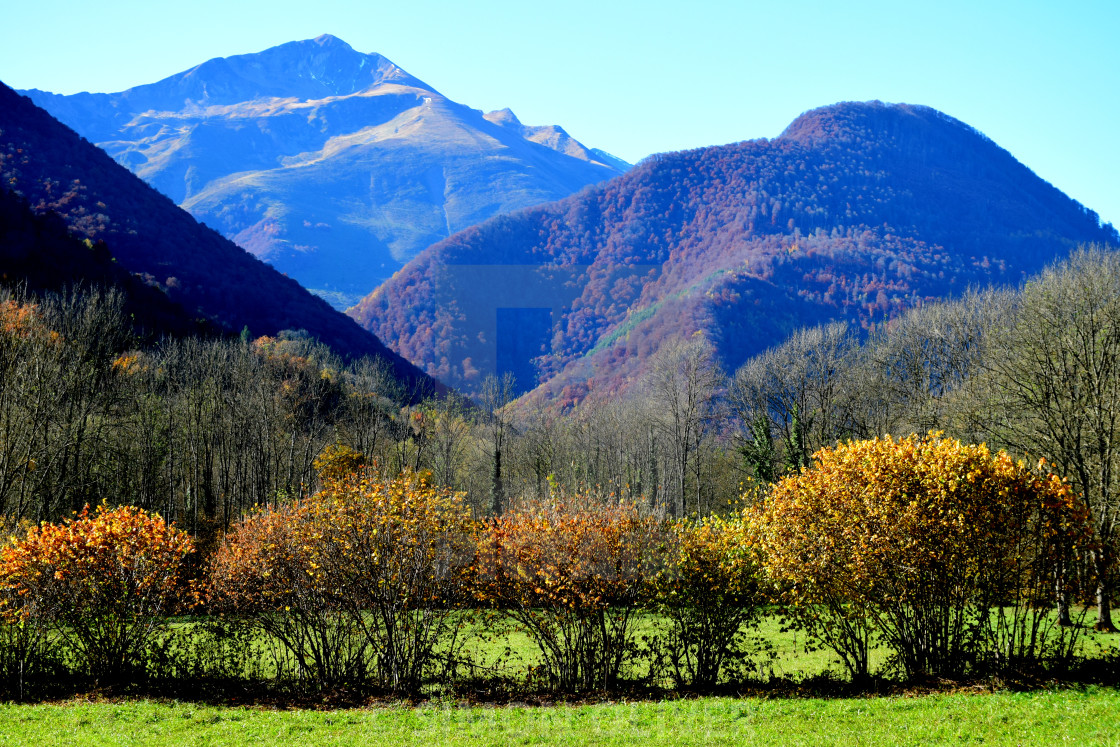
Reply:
x=682, y=388
x=792, y=400
x=911, y=374
x=371, y=394
x=1054, y=390
x=536, y=449
x=496, y=393
x=449, y=434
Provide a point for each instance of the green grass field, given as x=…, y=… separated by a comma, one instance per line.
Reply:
x=511, y=653
x=1088, y=717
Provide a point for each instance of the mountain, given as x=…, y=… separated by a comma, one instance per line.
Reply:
x=855, y=212
x=55, y=171
x=334, y=166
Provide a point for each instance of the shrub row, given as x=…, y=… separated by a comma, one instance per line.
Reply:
x=952, y=558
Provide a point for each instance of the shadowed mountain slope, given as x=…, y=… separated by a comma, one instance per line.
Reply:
x=38, y=254
x=856, y=212
x=55, y=170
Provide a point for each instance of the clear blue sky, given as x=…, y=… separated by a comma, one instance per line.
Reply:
x=1041, y=78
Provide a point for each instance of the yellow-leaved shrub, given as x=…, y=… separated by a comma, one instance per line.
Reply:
x=101, y=582
x=359, y=582
x=950, y=554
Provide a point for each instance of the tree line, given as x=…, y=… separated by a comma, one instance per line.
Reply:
x=203, y=429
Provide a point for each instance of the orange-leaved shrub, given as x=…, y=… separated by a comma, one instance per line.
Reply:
x=102, y=583
x=710, y=592
x=573, y=573
x=263, y=574
x=358, y=583
x=950, y=554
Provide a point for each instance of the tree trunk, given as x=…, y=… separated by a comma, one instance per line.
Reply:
x=1064, y=619
x=1104, y=600
x=497, y=491
x=1104, y=611
x=1062, y=589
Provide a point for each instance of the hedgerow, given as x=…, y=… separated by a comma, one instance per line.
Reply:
x=950, y=557
x=100, y=583
x=358, y=582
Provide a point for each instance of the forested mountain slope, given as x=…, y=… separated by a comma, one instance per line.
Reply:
x=55, y=170
x=334, y=166
x=857, y=211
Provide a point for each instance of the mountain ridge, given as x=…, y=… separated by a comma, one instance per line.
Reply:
x=260, y=70
x=856, y=212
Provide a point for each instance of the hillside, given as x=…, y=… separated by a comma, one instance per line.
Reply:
x=334, y=166
x=857, y=211
x=56, y=171
x=38, y=254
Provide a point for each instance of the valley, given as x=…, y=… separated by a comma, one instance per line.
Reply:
x=319, y=389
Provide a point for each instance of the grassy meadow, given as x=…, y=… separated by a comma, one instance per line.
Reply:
x=941, y=714
x=1088, y=717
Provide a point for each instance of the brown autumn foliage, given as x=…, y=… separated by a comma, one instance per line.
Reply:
x=101, y=582
x=358, y=583
x=573, y=574
x=856, y=212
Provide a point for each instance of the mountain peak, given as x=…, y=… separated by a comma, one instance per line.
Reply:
x=855, y=120
x=310, y=69
x=309, y=120
x=503, y=117
x=324, y=40
x=554, y=137
x=149, y=236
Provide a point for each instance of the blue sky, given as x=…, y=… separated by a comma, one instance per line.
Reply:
x=1042, y=79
